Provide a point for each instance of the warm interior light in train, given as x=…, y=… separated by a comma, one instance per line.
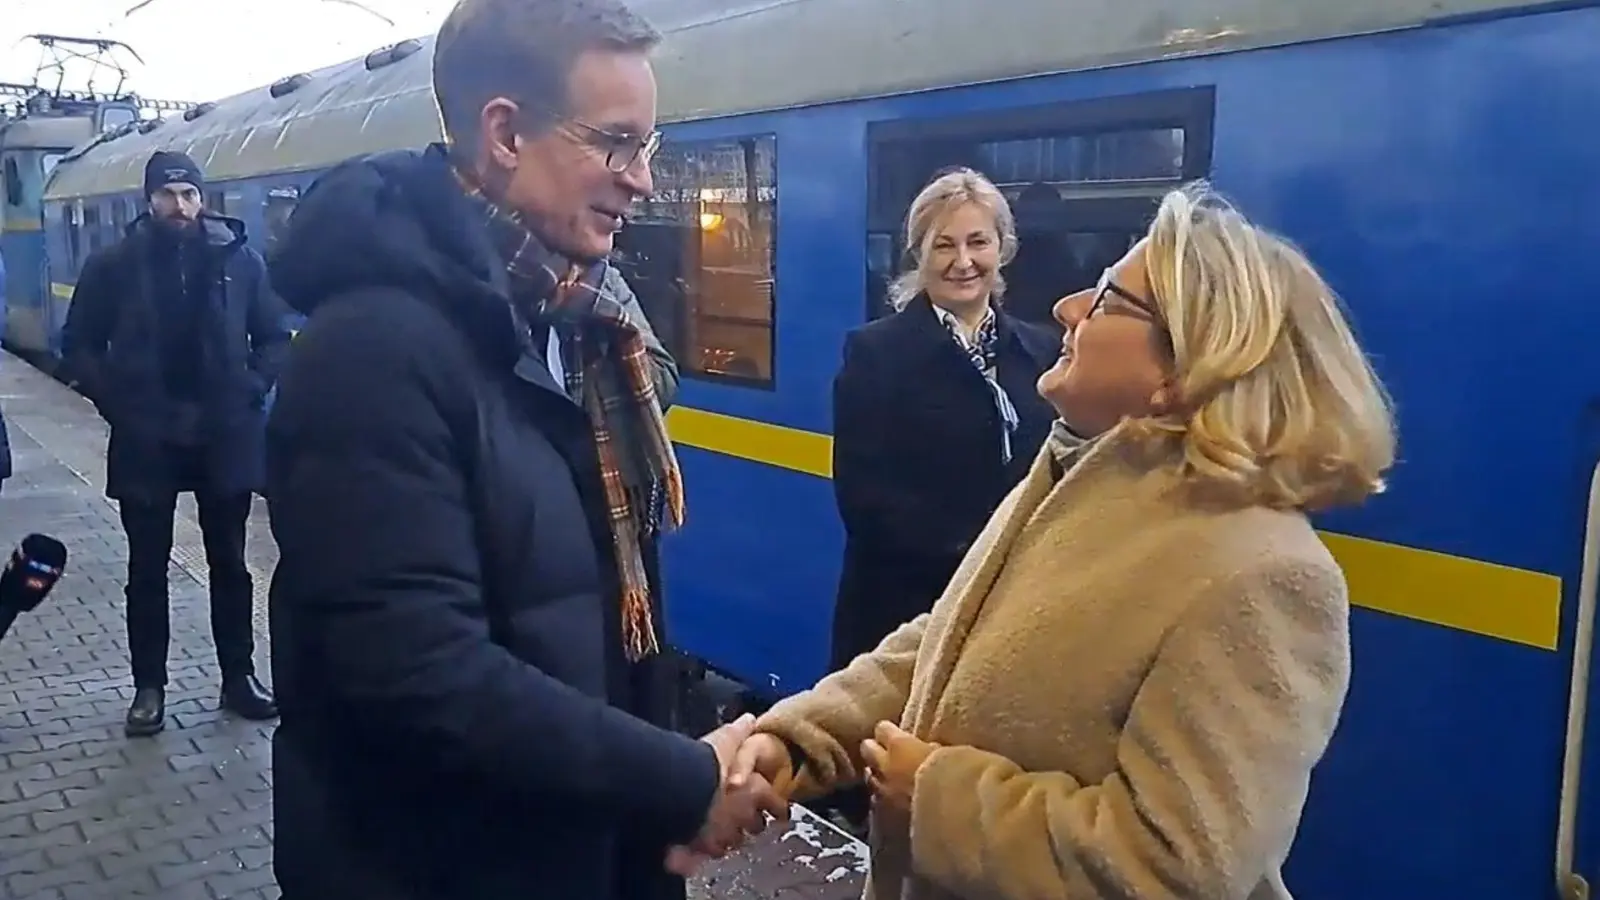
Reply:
x=710, y=221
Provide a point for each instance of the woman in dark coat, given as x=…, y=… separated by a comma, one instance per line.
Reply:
x=935, y=415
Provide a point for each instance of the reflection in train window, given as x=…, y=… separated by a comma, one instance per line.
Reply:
x=228, y=203
x=699, y=255
x=281, y=202
x=1083, y=179
x=91, y=226
x=114, y=117
x=1085, y=159
x=119, y=219
x=74, y=238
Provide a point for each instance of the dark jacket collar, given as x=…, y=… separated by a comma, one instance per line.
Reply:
x=220, y=233
x=401, y=220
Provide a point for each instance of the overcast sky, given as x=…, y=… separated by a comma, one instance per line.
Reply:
x=206, y=49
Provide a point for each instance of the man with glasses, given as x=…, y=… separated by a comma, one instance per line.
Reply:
x=467, y=470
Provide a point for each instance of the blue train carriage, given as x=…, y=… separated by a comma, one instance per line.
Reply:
x=30, y=147
x=1433, y=156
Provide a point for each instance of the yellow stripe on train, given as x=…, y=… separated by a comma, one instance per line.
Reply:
x=1516, y=605
x=1496, y=601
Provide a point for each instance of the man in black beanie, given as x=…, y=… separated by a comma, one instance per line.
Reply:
x=176, y=336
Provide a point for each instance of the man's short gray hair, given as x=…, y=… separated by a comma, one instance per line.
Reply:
x=522, y=50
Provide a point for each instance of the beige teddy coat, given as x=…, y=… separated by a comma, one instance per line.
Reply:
x=1129, y=689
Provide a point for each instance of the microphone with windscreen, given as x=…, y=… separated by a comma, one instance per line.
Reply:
x=34, y=568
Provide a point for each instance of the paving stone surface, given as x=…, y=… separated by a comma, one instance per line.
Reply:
x=88, y=814
x=84, y=811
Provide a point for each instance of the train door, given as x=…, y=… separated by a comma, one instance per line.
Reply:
x=1083, y=179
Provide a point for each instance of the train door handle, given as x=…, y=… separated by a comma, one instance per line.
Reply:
x=1569, y=884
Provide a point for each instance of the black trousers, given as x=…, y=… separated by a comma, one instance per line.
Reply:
x=149, y=524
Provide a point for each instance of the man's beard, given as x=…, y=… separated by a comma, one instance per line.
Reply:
x=176, y=223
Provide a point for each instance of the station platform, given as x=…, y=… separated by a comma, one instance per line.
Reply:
x=89, y=814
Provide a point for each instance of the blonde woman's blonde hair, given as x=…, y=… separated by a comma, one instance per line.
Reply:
x=942, y=196
x=1279, y=405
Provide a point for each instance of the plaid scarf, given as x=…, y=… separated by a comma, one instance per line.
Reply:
x=608, y=373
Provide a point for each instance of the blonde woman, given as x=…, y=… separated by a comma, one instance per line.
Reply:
x=935, y=417
x=1124, y=689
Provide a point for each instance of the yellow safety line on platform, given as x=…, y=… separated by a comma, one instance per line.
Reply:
x=1484, y=598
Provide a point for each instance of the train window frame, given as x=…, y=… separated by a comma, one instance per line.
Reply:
x=678, y=330
x=1191, y=111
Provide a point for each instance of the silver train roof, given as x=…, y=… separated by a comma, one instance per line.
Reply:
x=46, y=132
x=722, y=58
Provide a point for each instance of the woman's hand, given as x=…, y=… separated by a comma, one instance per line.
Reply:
x=893, y=757
x=765, y=755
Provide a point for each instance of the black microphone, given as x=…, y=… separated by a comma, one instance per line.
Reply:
x=34, y=568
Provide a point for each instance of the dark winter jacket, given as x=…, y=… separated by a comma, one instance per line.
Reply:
x=458, y=717
x=917, y=468
x=177, y=351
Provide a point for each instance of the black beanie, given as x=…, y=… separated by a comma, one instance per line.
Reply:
x=168, y=167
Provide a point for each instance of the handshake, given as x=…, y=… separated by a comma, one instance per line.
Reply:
x=757, y=776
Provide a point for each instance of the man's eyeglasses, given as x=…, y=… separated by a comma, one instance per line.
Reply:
x=622, y=149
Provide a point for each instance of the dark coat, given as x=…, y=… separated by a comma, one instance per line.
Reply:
x=111, y=347
x=917, y=469
x=458, y=718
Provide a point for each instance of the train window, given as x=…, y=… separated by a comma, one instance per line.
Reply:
x=74, y=239
x=225, y=203
x=91, y=226
x=13, y=180
x=49, y=162
x=281, y=202
x=699, y=253
x=119, y=218
x=1083, y=179
x=114, y=117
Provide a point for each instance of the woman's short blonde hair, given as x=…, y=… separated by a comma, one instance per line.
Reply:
x=942, y=196
x=1277, y=401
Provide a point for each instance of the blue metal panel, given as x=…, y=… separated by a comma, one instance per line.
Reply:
x=24, y=293
x=749, y=581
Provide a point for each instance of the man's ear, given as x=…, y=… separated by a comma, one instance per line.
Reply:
x=502, y=145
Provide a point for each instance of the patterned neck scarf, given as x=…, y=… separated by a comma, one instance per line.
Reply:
x=984, y=351
x=608, y=373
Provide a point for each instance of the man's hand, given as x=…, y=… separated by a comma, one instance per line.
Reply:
x=740, y=808
x=728, y=739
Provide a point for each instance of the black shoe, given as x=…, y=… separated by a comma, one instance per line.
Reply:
x=247, y=698
x=148, y=714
